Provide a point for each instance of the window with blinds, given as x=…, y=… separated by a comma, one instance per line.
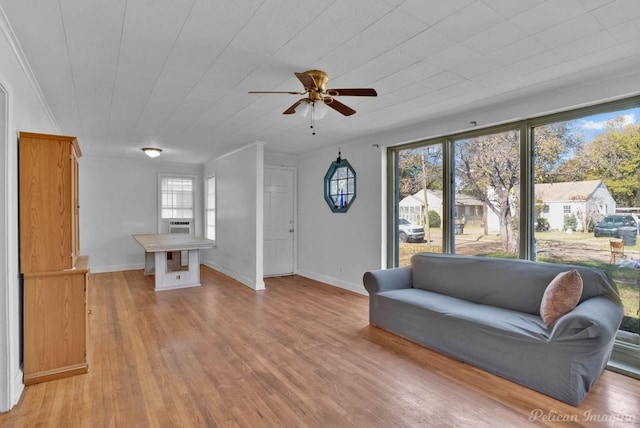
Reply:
x=176, y=197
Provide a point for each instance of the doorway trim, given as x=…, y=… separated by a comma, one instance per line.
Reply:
x=294, y=201
x=11, y=385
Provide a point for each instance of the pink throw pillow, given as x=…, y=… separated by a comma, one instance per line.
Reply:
x=561, y=296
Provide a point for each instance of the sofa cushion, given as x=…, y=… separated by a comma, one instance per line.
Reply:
x=503, y=322
x=561, y=296
x=517, y=285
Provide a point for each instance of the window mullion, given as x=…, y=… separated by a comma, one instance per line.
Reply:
x=527, y=248
x=448, y=212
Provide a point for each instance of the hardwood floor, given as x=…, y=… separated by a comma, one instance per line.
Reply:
x=298, y=354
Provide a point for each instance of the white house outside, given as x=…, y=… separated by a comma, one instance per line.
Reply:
x=412, y=206
x=584, y=199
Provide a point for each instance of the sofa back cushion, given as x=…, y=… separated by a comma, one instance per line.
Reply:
x=507, y=283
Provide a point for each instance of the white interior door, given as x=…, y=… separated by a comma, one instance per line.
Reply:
x=279, y=221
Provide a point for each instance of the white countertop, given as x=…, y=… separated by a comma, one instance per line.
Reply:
x=155, y=242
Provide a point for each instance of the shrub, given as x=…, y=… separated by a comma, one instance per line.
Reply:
x=543, y=224
x=434, y=219
x=570, y=222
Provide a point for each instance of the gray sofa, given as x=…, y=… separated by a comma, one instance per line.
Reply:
x=486, y=312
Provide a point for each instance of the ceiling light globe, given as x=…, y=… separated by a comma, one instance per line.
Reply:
x=152, y=152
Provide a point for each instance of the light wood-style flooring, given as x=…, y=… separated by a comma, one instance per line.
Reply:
x=298, y=354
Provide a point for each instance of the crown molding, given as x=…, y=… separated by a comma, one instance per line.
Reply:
x=10, y=36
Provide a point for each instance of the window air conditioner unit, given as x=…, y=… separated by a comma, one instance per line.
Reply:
x=179, y=226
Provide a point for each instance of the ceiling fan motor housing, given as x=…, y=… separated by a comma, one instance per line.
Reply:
x=320, y=77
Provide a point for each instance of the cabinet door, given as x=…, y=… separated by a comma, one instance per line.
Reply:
x=54, y=325
x=48, y=202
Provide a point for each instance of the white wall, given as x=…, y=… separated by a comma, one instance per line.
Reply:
x=24, y=110
x=338, y=248
x=278, y=159
x=239, y=205
x=603, y=201
x=119, y=199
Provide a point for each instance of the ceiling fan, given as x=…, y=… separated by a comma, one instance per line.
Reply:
x=316, y=94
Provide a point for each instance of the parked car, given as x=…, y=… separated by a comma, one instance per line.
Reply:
x=409, y=232
x=616, y=226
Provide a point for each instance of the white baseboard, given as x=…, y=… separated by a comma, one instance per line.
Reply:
x=350, y=286
x=235, y=275
x=355, y=287
x=116, y=268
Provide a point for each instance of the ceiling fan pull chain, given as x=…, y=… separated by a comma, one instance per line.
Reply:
x=313, y=118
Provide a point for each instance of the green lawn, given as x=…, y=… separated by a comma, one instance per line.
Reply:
x=627, y=280
x=560, y=236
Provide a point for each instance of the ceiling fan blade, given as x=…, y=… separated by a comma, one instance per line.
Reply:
x=277, y=92
x=292, y=109
x=358, y=92
x=307, y=81
x=338, y=106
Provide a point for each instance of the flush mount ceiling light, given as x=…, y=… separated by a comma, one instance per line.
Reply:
x=152, y=152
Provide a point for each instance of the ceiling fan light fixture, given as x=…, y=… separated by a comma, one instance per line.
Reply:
x=152, y=152
x=303, y=108
x=319, y=109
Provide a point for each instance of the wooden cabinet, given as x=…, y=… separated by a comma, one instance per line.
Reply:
x=49, y=229
x=55, y=276
x=55, y=323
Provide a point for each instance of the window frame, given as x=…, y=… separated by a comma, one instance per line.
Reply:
x=207, y=208
x=161, y=177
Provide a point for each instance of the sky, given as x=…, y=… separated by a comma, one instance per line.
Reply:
x=594, y=125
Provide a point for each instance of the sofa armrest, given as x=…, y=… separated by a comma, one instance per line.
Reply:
x=387, y=279
x=594, y=318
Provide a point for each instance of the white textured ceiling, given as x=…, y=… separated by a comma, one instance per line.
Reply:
x=123, y=74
